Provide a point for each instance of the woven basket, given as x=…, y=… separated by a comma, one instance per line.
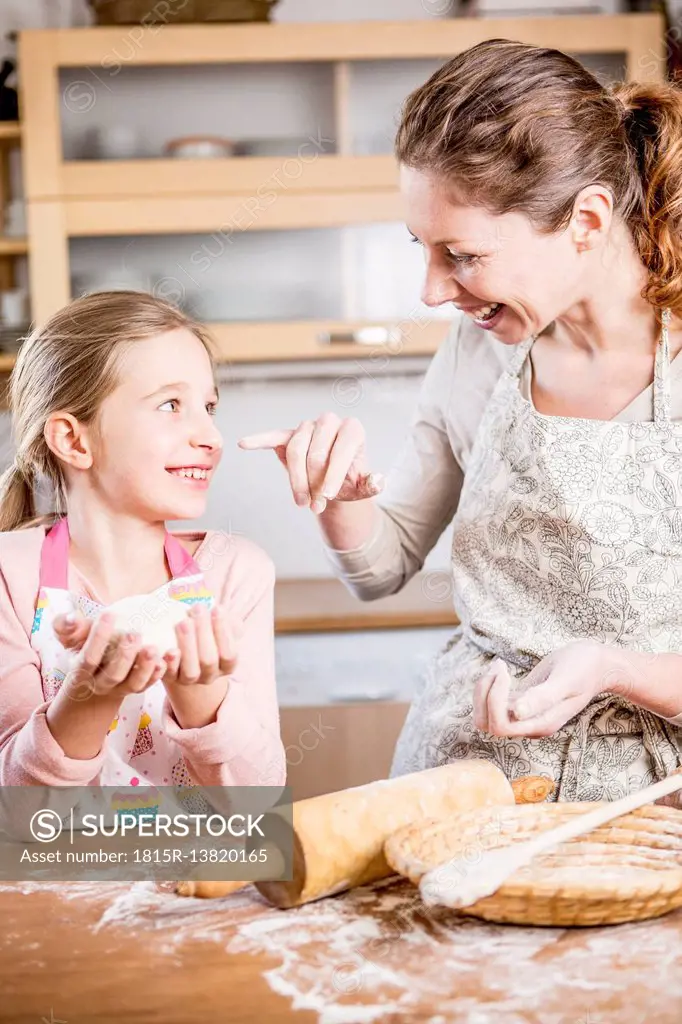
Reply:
x=627, y=870
x=149, y=12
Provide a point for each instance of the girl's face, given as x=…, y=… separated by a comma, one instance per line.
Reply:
x=501, y=272
x=157, y=444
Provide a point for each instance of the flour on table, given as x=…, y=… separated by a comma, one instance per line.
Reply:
x=377, y=954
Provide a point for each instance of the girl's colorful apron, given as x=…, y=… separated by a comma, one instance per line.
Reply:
x=137, y=752
x=566, y=529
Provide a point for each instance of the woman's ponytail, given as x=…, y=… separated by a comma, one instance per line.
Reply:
x=653, y=123
x=17, y=505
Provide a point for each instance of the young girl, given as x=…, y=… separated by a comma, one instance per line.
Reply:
x=112, y=404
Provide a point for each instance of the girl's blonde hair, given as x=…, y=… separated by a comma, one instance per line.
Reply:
x=524, y=128
x=71, y=364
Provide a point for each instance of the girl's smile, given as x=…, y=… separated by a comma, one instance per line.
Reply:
x=193, y=476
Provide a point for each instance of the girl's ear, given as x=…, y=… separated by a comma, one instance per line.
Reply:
x=68, y=440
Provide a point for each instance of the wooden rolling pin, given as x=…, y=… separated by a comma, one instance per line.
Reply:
x=339, y=837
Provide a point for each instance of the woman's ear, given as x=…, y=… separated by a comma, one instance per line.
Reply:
x=592, y=216
x=68, y=440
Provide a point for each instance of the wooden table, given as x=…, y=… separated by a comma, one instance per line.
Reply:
x=95, y=953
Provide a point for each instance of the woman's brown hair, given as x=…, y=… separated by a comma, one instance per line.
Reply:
x=516, y=127
x=71, y=364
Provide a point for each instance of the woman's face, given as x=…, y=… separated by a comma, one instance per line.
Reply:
x=158, y=444
x=509, y=278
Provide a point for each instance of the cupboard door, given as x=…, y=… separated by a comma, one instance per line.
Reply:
x=338, y=746
x=324, y=292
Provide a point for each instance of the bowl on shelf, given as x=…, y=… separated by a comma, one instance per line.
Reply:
x=117, y=142
x=194, y=147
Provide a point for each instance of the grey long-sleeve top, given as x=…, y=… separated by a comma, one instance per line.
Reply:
x=422, y=490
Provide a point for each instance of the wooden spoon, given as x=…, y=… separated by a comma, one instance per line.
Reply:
x=461, y=882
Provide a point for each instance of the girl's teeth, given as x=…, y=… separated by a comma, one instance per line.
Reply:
x=192, y=474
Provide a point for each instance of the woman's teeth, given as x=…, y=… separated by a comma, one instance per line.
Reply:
x=486, y=312
x=191, y=474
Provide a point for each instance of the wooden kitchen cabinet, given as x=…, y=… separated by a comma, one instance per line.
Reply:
x=366, y=70
x=334, y=746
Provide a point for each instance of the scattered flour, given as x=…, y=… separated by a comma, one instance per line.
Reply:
x=377, y=954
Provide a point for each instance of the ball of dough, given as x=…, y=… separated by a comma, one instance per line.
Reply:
x=153, y=617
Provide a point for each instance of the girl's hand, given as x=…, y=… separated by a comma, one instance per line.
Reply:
x=72, y=630
x=325, y=460
x=112, y=664
x=207, y=648
x=559, y=687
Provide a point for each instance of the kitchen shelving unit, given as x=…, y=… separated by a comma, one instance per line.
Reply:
x=11, y=247
x=69, y=198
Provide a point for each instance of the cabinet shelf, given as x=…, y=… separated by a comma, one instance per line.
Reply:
x=13, y=246
x=260, y=342
x=241, y=175
x=279, y=342
x=10, y=132
x=229, y=214
x=370, y=40
x=325, y=605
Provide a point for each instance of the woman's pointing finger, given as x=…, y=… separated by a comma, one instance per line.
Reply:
x=268, y=439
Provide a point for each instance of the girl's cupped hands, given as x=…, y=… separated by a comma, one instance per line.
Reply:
x=207, y=643
x=207, y=648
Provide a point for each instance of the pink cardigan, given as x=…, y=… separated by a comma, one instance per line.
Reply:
x=241, y=748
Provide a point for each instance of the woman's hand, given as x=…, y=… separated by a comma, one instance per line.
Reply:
x=112, y=664
x=325, y=459
x=559, y=687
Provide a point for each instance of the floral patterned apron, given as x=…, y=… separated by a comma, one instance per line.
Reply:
x=566, y=529
x=137, y=751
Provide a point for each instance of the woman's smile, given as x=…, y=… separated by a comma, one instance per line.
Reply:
x=486, y=316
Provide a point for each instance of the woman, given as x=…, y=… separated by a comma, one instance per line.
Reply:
x=550, y=212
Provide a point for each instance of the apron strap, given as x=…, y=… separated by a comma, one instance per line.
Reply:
x=661, y=369
x=519, y=357
x=180, y=562
x=662, y=373
x=54, y=557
